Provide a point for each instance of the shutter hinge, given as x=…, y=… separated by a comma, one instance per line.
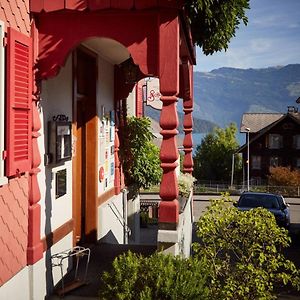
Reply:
x=5, y=41
x=4, y=154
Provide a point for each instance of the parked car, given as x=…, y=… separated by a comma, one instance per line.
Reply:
x=272, y=202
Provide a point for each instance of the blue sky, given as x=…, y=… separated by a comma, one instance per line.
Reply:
x=271, y=38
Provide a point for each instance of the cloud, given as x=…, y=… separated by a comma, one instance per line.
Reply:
x=271, y=38
x=261, y=45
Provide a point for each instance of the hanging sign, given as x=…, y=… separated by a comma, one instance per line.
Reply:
x=153, y=94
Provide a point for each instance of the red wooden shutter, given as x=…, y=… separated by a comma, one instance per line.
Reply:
x=19, y=103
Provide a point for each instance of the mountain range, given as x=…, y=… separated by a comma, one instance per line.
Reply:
x=223, y=95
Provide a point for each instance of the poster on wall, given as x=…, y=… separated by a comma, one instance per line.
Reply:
x=101, y=150
x=112, y=169
x=102, y=129
x=106, y=166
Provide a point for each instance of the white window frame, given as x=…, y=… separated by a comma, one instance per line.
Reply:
x=3, y=179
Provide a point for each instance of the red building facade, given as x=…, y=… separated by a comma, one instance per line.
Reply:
x=38, y=37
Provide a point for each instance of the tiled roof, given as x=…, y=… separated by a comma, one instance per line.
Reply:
x=15, y=13
x=257, y=121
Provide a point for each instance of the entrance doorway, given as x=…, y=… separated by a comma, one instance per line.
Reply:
x=85, y=134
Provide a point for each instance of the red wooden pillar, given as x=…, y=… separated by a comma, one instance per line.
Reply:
x=188, y=118
x=35, y=246
x=169, y=88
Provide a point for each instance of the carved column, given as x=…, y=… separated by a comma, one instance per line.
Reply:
x=169, y=209
x=35, y=246
x=169, y=88
x=188, y=118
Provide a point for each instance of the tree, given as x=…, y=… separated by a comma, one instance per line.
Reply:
x=243, y=251
x=139, y=156
x=213, y=158
x=284, y=176
x=214, y=22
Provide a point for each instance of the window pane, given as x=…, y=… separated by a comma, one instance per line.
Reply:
x=256, y=162
x=297, y=141
x=274, y=161
x=275, y=141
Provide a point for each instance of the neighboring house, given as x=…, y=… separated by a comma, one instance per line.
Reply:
x=66, y=69
x=274, y=141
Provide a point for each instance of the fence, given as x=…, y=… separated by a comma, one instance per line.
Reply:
x=210, y=187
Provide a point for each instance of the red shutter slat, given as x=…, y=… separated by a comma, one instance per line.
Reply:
x=19, y=103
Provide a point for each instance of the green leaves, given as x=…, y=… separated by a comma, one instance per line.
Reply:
x=158, y=277
x=243, y=251
x=214, y=23
x=213, y=158
x=139, y=156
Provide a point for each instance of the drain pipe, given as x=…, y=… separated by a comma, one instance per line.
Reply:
x=125, y=213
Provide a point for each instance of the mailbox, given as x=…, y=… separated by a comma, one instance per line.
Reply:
x=60, y=141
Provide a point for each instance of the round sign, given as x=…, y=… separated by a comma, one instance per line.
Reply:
x=101, y=174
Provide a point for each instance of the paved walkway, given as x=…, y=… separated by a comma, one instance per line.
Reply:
x=102, y=256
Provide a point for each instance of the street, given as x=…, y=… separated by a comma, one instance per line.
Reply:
x=202, y=201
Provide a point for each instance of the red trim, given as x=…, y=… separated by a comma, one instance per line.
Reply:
x=35, y=246
x=61, y=26
x=19, y=103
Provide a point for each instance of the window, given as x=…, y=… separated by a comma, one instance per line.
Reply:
x=296, y=141
x=3, y=180
x=256, y=162
x=275, y=141
x=274, y=161
x=18, y=103
x=298, y=163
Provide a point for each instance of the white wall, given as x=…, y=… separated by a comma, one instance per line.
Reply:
x=131, y=103
x=17, y=288
x=111, y=220
x=106, y=132
x=179, y=241
x=56, y=98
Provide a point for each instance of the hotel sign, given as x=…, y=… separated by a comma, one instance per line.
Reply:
x=152, y=93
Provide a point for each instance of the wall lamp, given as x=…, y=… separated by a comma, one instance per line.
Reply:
x=130, y=70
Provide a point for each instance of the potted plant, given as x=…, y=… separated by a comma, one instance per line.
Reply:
x=185, y=185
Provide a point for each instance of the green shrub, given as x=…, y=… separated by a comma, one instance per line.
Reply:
x=139, y=156
x=243, y=252
x=156, y=277
x=238, y=256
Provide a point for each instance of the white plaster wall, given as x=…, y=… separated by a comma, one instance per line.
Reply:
x=16, y=288
x=63, y=245
x=111, y=220
x=105, y=105
x=56, y=98
x=133, y=217
x=185, y=229
x=131, y=103
x=37, y=280
x=179, y=240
